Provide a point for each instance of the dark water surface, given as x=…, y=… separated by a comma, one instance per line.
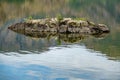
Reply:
x=63, y=57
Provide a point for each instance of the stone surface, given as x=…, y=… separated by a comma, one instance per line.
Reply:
x=66, y=25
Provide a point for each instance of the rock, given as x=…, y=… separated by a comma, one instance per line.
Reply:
x=84, y=23
x=91, y=23
x=63, y=28
x=72, y=23
x=64, y=21
x=103, y=27
x=66, y=25
x=52, y=24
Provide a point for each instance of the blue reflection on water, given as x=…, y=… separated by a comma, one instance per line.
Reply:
x=37, y=72
x=59, y=63
x=32, y=72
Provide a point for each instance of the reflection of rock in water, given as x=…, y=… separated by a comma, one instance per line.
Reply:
x=70, y=38
x=100, y=36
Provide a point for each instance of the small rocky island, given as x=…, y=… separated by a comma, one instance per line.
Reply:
x=59, y=25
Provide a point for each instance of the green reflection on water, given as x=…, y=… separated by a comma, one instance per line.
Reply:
x=13, y=1
x=100, y=11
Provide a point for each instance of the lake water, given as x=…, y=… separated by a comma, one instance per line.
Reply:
x=63, y=57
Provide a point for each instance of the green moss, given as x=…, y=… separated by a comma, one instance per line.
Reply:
x=83, y=19
x=28, y=18
x=59, y=17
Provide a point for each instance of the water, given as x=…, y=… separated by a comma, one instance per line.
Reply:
x=64, y=57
